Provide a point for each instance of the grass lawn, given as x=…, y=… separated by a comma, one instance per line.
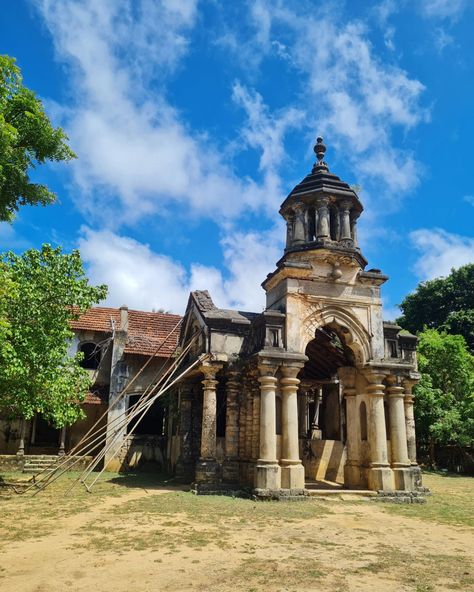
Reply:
x=137, y=532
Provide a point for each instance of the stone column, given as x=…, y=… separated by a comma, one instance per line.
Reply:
x=398, y=436
x=292, y=470
x=410, y=420
x=345, y=221
x=116, y=428
x=230, y=469
x=354, y=217
x=268, y=475
x=62, y=442
x=323, y=217
x=207, y=467
x=299, y=230
x=352, y=476
x=303, y=415
x=185, y=464
x=21, y=444
x=380, y=473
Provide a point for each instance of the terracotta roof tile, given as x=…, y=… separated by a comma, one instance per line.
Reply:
x=146, y=330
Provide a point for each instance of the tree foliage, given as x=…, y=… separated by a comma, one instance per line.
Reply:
x=27, y=139
x=36, y=373
x=444, y=401
x=443, y=303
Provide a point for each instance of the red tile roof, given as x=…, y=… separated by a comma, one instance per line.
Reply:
x=146, y=330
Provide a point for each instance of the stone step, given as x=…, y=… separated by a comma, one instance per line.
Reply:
x=340, y=493
x=36, y=470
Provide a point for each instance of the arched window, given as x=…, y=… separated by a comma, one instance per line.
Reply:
x=92, y=355
x=363, y=421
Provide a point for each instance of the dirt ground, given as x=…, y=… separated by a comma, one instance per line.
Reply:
x=137, y=535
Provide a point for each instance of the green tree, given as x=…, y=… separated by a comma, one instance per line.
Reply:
x=444, y=401
x=36, y=373
x=443, y=303
x=27, y=139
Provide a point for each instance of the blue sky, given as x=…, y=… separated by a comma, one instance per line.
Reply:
x=193, y=119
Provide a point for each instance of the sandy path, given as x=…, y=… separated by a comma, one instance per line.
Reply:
x=254, y=557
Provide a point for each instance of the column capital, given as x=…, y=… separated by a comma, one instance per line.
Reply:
x=291, y=371
x=375, y=388
x=408, y=384
x=393, y=388
x=374, y=377
x=267, y=370
x=349, y=392
x=210, y=370
x=322, y=201
x=347, y=375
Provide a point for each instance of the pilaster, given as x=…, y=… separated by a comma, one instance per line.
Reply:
x=230, y=468
x=352, y=475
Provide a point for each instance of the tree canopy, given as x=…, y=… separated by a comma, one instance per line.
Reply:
x=444, y=401
x=27, y=139
x=48, y=290
x=443, y=303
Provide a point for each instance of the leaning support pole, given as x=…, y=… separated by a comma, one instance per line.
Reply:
x=137, y=409
x=100, y=434
x=81, y=449
x=147, y=405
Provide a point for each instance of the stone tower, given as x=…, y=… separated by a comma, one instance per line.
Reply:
x=315, y=388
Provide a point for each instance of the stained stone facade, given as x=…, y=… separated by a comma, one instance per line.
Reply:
x=317, y=388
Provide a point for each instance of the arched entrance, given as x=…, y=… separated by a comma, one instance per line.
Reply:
x=322, y=417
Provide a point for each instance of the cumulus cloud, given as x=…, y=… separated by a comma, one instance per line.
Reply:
x=440, y=252
x=143, y=279
x=136, y=154
x=348, y=92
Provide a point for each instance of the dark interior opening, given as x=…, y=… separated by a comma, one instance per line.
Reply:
x=92, y=355
x=153, y=422
x=326, y=353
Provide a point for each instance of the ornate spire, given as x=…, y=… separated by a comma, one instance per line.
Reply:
x=320, y=150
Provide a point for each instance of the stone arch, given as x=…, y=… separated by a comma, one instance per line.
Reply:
x=355, y=335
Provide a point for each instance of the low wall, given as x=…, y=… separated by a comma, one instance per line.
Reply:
x=323, y=459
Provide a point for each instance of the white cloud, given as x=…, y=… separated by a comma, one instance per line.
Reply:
x=440, y=252
x=146, y=280
x=442, y=9
x=136, y=155
x=469, y=199
x=349, y=94
x=442, y=40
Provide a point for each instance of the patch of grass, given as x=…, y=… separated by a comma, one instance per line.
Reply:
x=452, y=501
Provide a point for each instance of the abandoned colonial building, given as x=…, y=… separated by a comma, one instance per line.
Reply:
x=317, y=388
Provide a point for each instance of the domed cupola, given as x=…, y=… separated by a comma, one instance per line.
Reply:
x=322, y=211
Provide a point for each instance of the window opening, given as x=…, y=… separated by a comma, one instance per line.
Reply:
x=92, y=355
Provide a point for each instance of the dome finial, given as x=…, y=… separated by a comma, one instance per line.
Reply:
x=320, y=150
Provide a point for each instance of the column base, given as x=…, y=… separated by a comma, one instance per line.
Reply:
x=267, y=475
x=352, y=476
x=230, y=470
x=380, y=479
x=207, y=471
x=184, y=471
x=292, y=475
x=403, y=477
